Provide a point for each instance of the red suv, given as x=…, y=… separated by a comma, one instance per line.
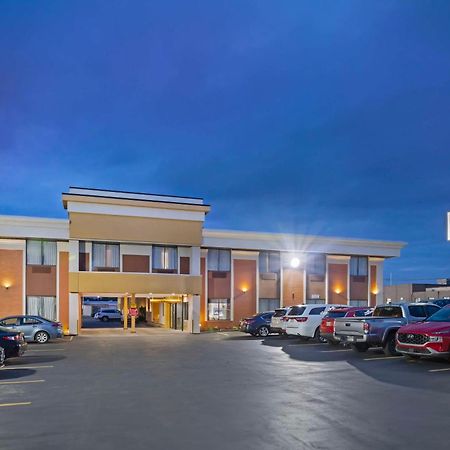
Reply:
x=429, y=338
x=327, y=324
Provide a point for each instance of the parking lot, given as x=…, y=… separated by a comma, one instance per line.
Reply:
x=166, y=389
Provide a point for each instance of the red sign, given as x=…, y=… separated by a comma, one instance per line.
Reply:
x=133, y=312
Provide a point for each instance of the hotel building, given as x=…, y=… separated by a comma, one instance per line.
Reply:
x=153, y=252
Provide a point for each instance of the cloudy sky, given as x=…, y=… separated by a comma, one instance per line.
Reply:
x=325, y=117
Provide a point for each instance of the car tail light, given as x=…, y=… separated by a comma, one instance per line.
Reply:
x=12, y=338
x=366, y=327
x=301, y=319
x=57, y=324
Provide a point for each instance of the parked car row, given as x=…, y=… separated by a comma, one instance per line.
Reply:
x=16, y=331
x=412, y=329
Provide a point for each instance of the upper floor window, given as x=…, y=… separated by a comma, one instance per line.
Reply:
x=269, y=262
x=42, y=253
x=164, y=259
x=316, y=264
x=219, y=260
x=358, y=266
x=105, y=256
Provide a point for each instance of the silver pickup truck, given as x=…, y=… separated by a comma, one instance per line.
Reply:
x=379, y=330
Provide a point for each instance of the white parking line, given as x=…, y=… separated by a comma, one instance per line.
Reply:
x=440, y=370
x=22, y=382
x=333, y=351
x=377, y=358
x=25, y=367
x=15, y=404
x=45, y=350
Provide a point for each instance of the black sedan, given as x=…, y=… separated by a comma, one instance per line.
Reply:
x=13, y=342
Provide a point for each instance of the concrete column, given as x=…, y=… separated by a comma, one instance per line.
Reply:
x=125, y=313
x=74, y=313
x=74, y=250
x=195, y=261
x=194, y=314
x=133, y=318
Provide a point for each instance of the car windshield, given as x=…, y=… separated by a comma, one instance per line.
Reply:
x=297, y=311
x=443, y=315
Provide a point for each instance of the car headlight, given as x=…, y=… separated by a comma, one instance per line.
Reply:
x=435, y=339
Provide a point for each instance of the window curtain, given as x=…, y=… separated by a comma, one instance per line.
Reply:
x=34, y=252
x=316, y=264
x=106, y=255
x=49, y=253
x=98, y=255
x=219, y=260
x=165, y=258
x=358, y=266
x=42, y=306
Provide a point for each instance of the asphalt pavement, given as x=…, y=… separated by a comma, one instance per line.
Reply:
x=163, y=389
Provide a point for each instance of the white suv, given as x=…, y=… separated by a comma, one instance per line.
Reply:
x=304, y=320
x=105, y=314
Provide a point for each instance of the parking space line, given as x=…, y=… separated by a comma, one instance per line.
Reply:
x=22, y=382
x=24, y=367
x=440, y=370
x=377, y=358
x=15, y=404
x=46, y=350
x=338, y=350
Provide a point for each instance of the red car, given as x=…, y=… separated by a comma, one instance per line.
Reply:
x=327, y=324
x=425, y=339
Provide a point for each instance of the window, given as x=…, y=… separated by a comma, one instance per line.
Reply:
x=164, y=259
x=296, y=311
x=30, y=321
x=358, y=266
x=316, y=265
x=268, y=304
x=358, y=303
x=316, y=311
x=219, y=309
x=42, y=253
x=42, y=306
x=10, y=322
x=269, y=262
x=363, y=313
x=219, y=260
x=185, y=311
x=105, y=256
x=431, y=309
x=388, y=311
x=417, y=311
x=335, y=314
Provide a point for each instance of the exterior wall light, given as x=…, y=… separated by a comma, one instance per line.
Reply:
x=338, y=290
x=6, y=285
x=244, y=289
x=295, y=262
x=375, y=292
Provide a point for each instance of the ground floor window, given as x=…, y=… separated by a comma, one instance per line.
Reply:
x=358, y=302
x=219, y=309
x=42, y=306
x=268, y=304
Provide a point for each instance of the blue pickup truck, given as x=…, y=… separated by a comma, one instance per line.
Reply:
x=379, y=330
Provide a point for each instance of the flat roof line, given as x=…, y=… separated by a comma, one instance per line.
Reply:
x=135, y=192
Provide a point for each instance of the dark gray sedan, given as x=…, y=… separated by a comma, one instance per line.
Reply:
x=35, y=328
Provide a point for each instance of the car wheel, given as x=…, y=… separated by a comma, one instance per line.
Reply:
x=105, y=319
x=318, y=337
x=41, y=337
x=263, y=331
x=389, y=346
x=360, y=348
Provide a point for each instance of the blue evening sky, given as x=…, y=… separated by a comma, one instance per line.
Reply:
x=325, y=117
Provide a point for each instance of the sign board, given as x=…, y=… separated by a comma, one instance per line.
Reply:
x=133, y=312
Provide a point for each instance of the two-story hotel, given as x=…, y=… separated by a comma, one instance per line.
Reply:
x=153, y=252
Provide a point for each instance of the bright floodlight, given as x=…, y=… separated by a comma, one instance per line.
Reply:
x=295, y=262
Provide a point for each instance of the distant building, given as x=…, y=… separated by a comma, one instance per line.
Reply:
x=410, y=292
